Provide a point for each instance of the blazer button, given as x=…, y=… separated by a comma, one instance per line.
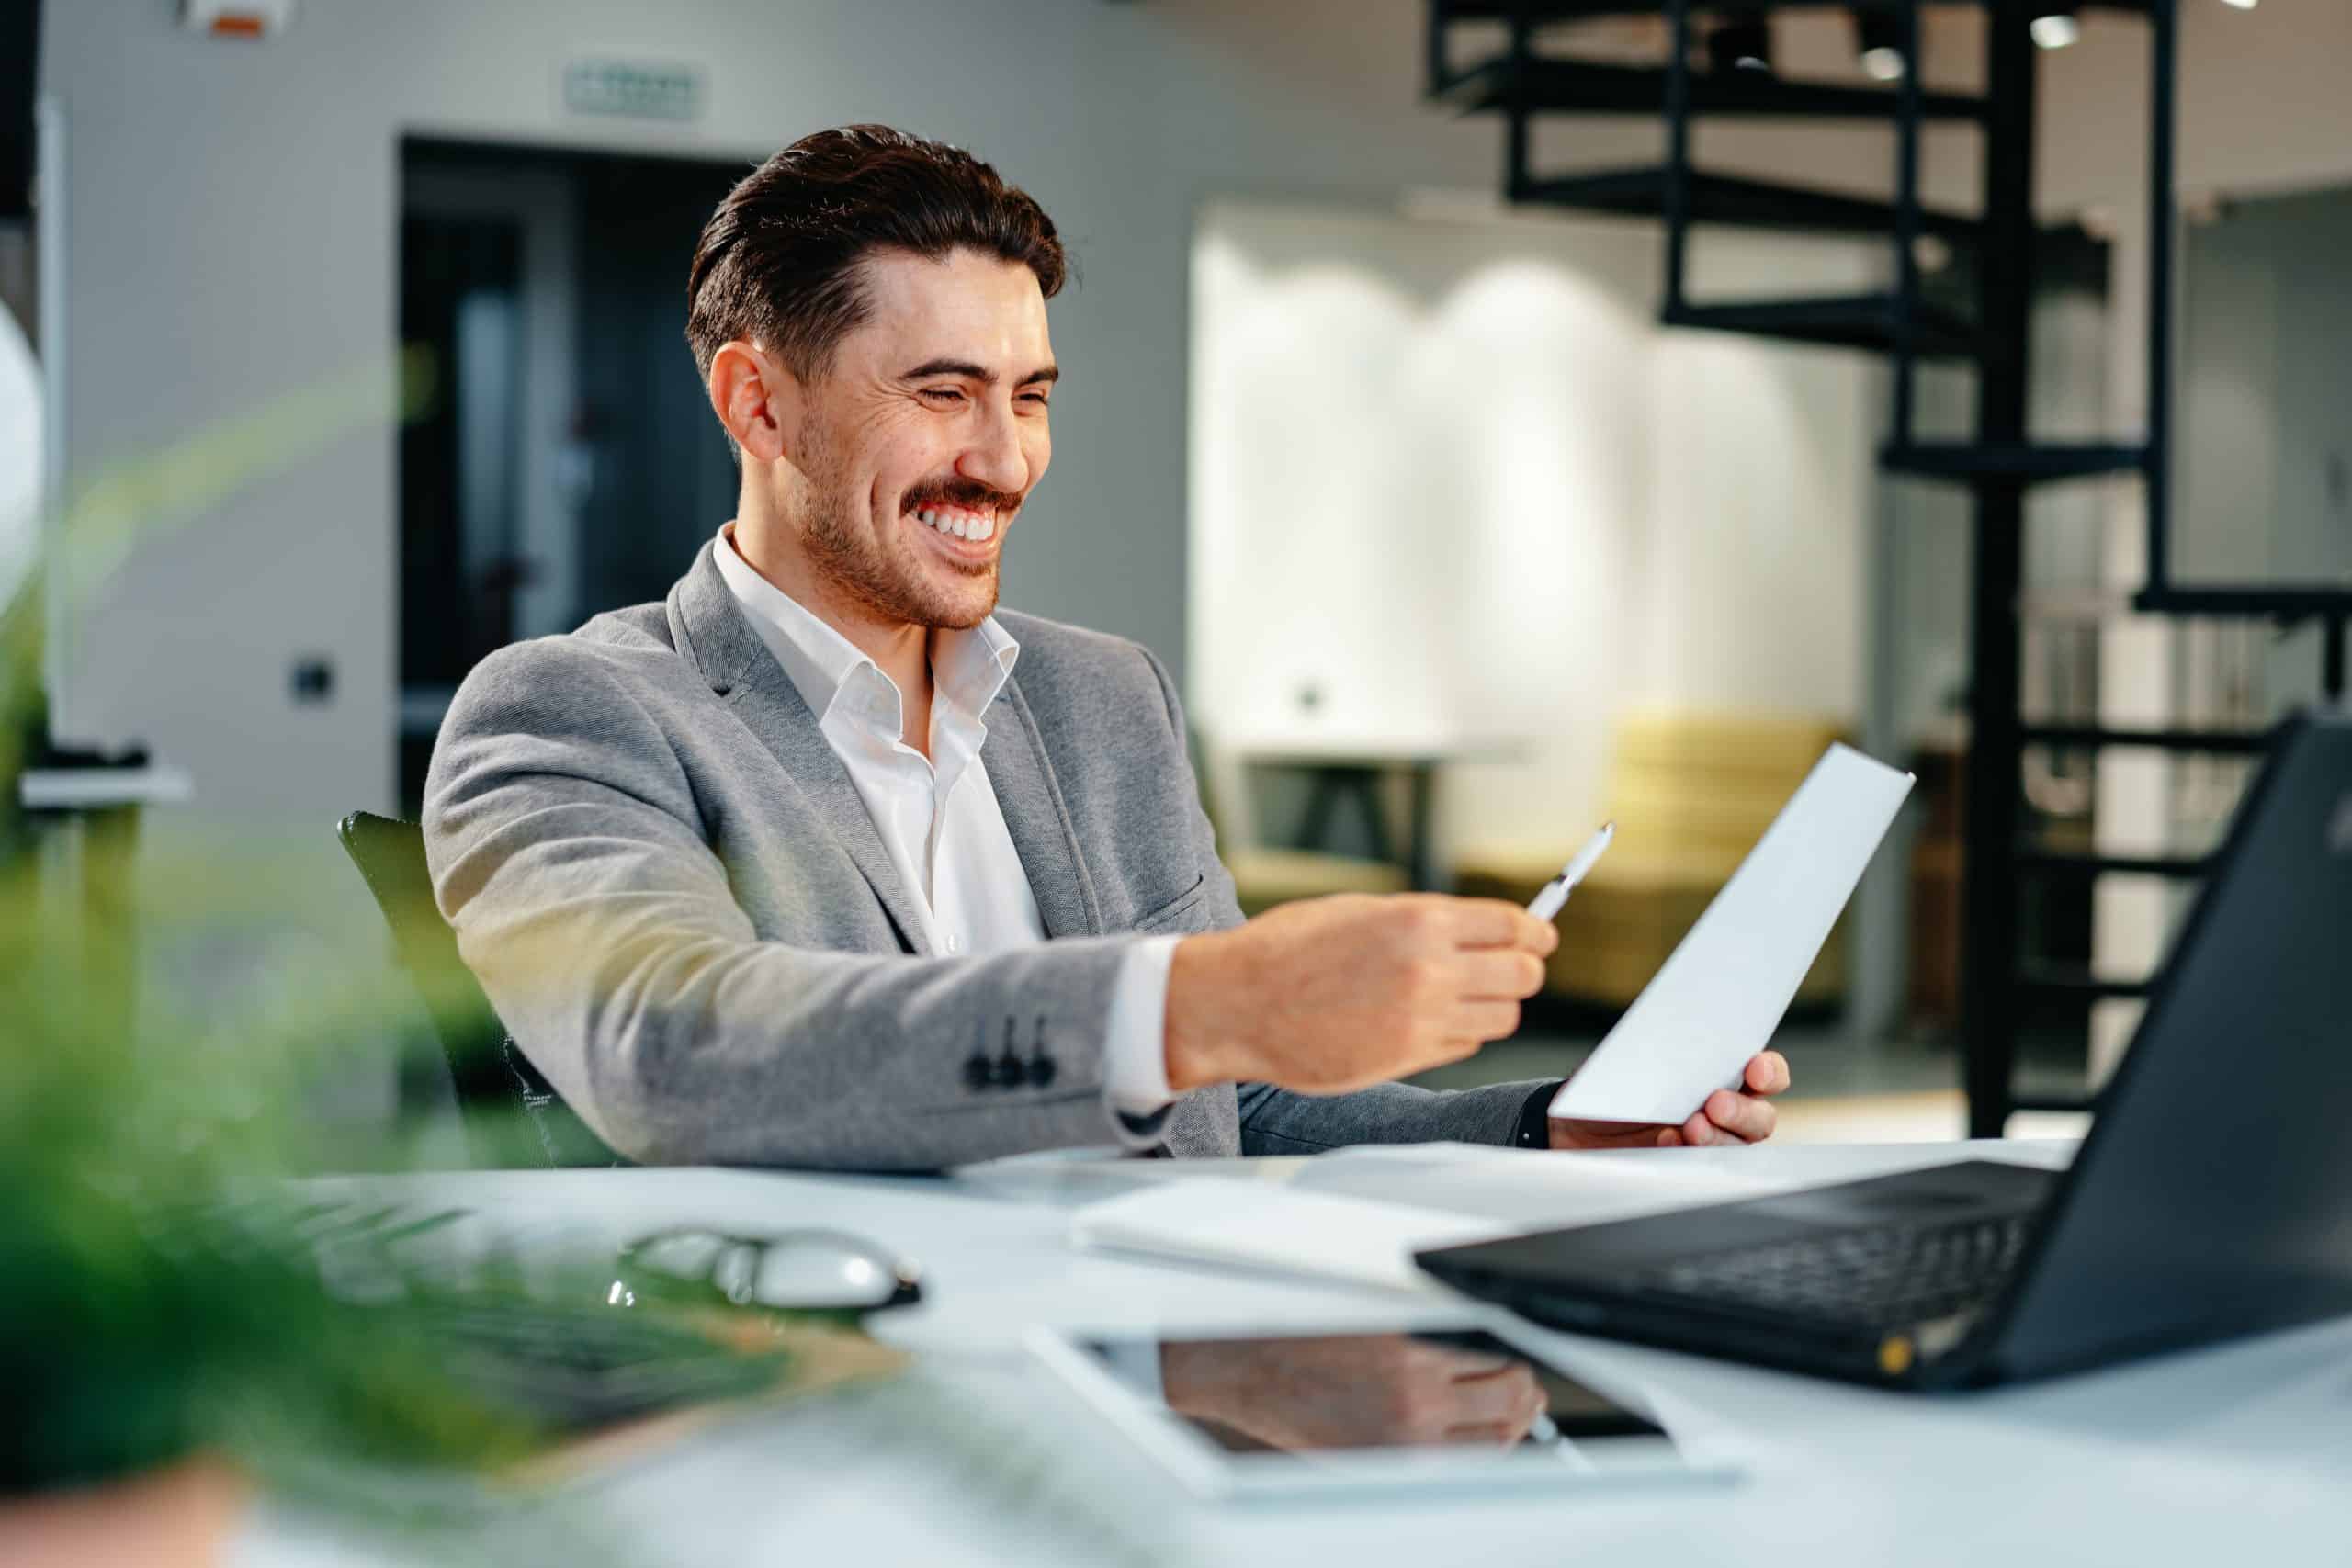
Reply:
x=978, y=1073
x=1009, y=1070
x=1041, y=1070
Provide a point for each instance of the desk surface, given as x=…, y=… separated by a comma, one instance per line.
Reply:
x=2198, y=1456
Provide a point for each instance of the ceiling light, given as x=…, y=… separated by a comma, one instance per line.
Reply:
x=1741, y=41
x=2056, y=26
x=1878, y=39
x=2240, y=4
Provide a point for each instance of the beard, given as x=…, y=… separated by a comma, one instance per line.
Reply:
x=882, y=574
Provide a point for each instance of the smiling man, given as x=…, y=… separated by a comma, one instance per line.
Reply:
x=824, y=861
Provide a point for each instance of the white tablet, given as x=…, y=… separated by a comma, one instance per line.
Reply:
x=1282, y=1415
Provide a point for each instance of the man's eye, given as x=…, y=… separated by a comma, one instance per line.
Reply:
x=1035, y=400
x=946, y=394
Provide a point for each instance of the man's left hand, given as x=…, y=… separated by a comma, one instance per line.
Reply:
x=1744, y=1117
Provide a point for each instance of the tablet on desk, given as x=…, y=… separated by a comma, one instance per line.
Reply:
x=1284, y=1414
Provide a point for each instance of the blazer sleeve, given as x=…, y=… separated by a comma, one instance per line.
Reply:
x=1279, y=1122
x=568, y=855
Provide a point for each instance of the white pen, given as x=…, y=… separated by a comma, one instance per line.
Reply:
x=1554, y=897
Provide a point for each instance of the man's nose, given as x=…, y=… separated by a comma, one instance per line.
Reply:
x=994, y=456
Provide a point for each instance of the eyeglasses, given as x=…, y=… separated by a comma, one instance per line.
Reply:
x=795, y=1270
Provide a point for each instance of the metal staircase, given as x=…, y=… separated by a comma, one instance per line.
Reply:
x=1988, y=330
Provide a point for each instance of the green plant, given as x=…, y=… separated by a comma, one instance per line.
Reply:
x=162, y=1298
x=159, y=1297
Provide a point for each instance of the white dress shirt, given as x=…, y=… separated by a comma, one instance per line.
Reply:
x=938, y=816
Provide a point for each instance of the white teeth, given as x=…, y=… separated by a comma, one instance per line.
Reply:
x=979, y=528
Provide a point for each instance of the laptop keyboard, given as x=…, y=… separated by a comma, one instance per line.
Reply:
x=1889, y=1276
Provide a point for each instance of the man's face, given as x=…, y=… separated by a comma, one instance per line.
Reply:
x=923, y=440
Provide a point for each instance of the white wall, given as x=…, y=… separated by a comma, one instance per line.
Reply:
x=233, y=211
x=1453, y=476
x=234, y=238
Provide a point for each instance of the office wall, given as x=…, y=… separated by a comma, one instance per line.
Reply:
x=233, y=239
x=1451, y=477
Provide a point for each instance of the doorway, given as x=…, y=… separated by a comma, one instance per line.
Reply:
x=565, y=461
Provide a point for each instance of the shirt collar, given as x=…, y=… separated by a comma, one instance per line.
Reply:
x=968, y=668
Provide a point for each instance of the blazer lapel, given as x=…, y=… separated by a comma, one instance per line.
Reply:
x=1034, y=813
x=709, y=629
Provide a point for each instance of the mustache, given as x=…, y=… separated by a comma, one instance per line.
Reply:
x=968, y=493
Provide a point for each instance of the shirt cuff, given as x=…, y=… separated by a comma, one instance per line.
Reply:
x=1534, y=1128
x=1135, y=1048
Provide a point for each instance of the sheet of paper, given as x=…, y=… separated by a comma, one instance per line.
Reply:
x=1722, y=992
x=1531, y=1190
x=1277, y=1228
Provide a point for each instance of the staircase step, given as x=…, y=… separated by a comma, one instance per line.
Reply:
x=1858, y=320
x=2254, y=600
x=2062, y=862
x=1582, y=87
x=2050, y=980
x=1724, y=199
x=2220, y=742
x=2034, y=461
x=1540, y=12
x=2053, y=1102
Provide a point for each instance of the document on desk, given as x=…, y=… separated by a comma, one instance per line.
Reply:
x=1721, y=993
x=1209, y=1220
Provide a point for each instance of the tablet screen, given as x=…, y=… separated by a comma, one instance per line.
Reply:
x=1465, y=1391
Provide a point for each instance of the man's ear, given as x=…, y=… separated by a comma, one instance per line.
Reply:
x=755, y=397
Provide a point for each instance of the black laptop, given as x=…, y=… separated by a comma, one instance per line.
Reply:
x=2213, y=1197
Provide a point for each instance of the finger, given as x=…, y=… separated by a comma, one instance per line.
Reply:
x=1483, y=1020
x=1497, y=975
x=1744, y=1117
x=1498, y=1432
x=1572, y=1132
x=1491, y=922
x=1698, y=1132
x=1670, y=1138
x=1538, y=1403
x=1492, y=1400
x=1768, y=1073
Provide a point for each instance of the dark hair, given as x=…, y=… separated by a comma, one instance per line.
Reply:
x=778, y=262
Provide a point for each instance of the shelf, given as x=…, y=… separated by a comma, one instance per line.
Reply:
x=1723, y=199
x=1860, y=320
x=2033, y=463
x=1577, y=86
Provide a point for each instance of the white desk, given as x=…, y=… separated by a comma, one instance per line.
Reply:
x=2235, y=1455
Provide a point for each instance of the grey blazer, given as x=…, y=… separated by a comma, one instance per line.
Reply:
x=675, y=899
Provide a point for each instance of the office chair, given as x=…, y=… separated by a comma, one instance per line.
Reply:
x=492, y=1075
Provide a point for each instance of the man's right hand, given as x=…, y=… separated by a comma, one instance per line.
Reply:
x=1329, y=995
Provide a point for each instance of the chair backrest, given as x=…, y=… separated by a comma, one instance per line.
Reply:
x=493, y=1077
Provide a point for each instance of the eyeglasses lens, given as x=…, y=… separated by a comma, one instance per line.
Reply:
x=819, y=1274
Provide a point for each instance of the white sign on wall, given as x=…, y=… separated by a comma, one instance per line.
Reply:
x=633, y=89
